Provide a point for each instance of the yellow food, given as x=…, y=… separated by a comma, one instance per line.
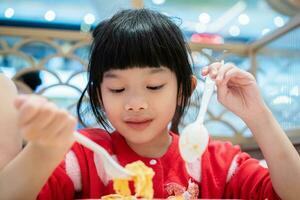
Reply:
x=176, y=197
x=142, y=178
x=117, y=196
x=121, y=186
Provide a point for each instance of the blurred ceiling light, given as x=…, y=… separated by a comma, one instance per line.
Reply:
x=282, y=100
x=244, y=19
x=158, y=2
x=204, y=18
x=265, y=31
x=9, y=13
x=50, y=15
x=89, y=18
x=278, y=21
x=234, y=31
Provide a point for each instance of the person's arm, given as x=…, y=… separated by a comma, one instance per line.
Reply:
x=10, y=138
x=48, y=131
x=282, y=158
x=237, y=91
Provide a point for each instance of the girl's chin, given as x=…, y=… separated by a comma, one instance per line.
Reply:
x=138, y=140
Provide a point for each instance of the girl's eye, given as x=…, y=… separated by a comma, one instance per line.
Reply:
x=155, y=87
x=117, y=90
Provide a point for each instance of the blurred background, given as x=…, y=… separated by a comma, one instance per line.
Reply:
x=44, y=48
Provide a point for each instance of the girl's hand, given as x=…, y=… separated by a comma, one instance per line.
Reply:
x=236, y=90
x=43, y=124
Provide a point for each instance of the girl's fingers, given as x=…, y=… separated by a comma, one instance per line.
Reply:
x=216, y=65
x=43, y=123
x=49, y=132
x=29, y=134
x=222, y=72
x=48, y=114
x=63, y=134
x=45, y=116
x=41, y=127
x=228, y=73
x=67, y=131
x=222, y=92
x=204, y=71
x=233, y=72
x=62, y=120
x=213, y=73
x=212, y=70
x=19, y=101
x=29, y=108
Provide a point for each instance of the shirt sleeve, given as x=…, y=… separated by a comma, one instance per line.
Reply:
x=59, y=186
x=248, y=179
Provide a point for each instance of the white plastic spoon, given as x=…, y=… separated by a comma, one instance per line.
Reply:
x=194, y=138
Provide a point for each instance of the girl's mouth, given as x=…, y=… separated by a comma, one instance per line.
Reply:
x=139, y=125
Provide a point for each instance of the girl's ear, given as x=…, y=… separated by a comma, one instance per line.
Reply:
x=194, y=82
x=193, y=85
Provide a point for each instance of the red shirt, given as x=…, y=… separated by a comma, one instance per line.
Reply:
x=222, y=172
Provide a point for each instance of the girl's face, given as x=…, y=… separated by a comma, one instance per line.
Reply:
x=140, y=102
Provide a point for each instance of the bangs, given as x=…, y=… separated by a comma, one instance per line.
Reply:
x=127, y=50
x=138, y=40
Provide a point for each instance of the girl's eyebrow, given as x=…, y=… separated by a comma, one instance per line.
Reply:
x=151, y=71
x=157, y=70
x=110, y=75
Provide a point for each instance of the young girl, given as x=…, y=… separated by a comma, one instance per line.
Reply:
x=139, y=78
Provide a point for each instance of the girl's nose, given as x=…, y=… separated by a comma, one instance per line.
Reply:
x=136, y=104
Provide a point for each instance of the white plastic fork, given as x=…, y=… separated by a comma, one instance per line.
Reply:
x=111, y=167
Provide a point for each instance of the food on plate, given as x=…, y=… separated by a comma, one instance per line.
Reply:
x=142, y=179
x=117, y=196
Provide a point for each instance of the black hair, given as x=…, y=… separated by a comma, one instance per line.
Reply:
x=136, y=38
